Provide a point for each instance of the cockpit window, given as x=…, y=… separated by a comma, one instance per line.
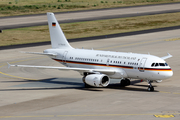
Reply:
x=157, y=64
x=152, y=64
x=166, y=64
x=161, y=64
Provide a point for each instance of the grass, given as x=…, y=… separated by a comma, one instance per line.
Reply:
x=91, y=28
x=21, y=7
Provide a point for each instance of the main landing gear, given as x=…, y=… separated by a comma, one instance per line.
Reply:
x=125, y=82
x=150, y=88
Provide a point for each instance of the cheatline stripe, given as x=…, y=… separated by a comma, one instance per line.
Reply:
x=117, y=66
x=152, y=69
x=96, y=64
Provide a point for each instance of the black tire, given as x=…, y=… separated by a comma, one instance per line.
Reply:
x=123, y=83
x=128, y=82
x=150, y=88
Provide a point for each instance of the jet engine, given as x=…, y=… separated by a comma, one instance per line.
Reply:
x=97, y=80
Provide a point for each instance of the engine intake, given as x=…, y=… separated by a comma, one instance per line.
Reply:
x=97, y=80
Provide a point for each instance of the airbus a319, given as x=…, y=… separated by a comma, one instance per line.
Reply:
x=98, y=67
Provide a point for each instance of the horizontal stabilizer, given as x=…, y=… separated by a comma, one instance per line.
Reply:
x=38, y=53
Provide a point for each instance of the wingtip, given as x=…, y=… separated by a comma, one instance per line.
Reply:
x=9, y=65
x=169, y=54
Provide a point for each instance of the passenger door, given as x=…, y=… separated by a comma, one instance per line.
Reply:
x=64, y=57
x=142, y=64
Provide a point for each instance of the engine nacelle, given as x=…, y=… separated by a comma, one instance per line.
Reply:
x=97, y=80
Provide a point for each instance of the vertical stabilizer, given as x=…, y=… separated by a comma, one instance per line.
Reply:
x=58, y=40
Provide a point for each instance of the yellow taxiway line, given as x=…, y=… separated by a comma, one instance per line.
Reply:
x=94, y=115
x=4, y=64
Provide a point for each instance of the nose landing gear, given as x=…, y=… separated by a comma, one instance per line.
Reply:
x=150, y=88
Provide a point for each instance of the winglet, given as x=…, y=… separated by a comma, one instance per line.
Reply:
x=166, y=57
x=9, y=65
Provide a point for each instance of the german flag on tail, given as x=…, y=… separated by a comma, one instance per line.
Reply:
x=54, y=24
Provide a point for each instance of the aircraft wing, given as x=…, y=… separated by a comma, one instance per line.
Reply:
x=166, y=57
x=67, y=68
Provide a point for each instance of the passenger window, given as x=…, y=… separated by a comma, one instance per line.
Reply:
x=156, y=64
x=152, y=65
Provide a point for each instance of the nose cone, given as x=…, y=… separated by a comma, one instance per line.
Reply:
x=168, y=74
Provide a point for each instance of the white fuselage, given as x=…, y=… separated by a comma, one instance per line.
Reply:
x=126, y=65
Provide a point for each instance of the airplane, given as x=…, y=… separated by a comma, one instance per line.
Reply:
x=98, y=67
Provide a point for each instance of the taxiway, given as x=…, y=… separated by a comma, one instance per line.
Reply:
x=88, y=15
x=29, y=93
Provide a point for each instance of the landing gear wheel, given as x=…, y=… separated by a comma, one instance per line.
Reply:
x=150, y=88
x=125, y=82
x=128, y=82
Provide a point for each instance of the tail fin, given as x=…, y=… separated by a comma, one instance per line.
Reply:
x=58, y=40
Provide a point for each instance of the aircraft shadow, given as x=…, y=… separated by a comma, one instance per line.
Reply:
x=70, y=83
x=129, y=88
